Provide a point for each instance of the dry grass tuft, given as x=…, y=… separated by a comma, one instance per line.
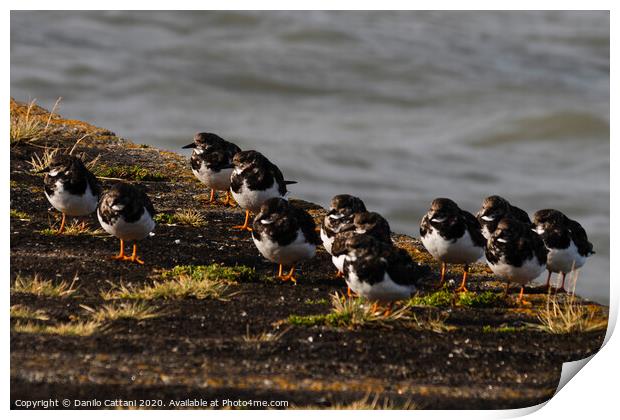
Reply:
x=37, y=286
x=189, y=217
x=28, y=127
x=568, y=316
x=74, y=228
x=125, y=310
x=39, y=163
x=263, y=337
x=182, y=286
x=76, y=328
x=435, y=322
x=23, y=312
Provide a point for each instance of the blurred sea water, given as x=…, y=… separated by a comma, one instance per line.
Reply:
x=395, y=107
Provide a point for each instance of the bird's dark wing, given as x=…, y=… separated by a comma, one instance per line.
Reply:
x=474, y=228
x=307, y=225
x=580, y=238
x=92, y=180
x=401, y=267
x=520, y=215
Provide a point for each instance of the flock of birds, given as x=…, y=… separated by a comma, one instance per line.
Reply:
x=516, y=248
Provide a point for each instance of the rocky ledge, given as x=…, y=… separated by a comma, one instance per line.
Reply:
x=203, y=319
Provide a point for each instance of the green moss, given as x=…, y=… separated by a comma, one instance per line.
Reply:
x=445, y=298
x=212, y=272
x=134, y=173
x=164, y=218
x=440, y=298
x=486, y=299
x=487, y=329
x=331, y=319
x=16, y=214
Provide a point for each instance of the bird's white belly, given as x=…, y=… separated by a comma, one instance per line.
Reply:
x=463, y=251
x=219, y=180
x=339, y=262
x=129, y=231
x=71, y=204
x=290, y=254
x=529, y=270
x=561, y=260
x=252, y=199
x=327, y=241
x=384, y=291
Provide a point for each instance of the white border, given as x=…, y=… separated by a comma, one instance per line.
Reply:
x=592, y=393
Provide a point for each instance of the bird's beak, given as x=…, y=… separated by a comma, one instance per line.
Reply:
x=189, y=146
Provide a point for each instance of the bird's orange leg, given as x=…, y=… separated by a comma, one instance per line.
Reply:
x=245, y=225
x=227, y=201
x=121, y=253
x=61, y=229
x=374, y=308
x=520, y=300
x=290, y=276
x=506, y=290
x=212, y=197
x=388, y=311
x=443, y=275
x=548, y=281
x=279, y=271
x=134, y=255
x=463, y=286
x=339, y=274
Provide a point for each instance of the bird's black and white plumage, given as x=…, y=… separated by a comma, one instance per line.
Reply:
x=211, y=160
x=284, y=234
x=451, y=235
x=364, y=223
x=565, y=239
x=255, y=179
x=493, y=209
x=70, y=187
x=339, y=218
x=379, y=271
x=125, y=211
x=515, y=253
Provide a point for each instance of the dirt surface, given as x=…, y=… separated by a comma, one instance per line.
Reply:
x=199, y=348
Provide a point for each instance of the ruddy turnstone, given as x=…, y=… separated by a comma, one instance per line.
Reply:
x=211, y=162
x=493, y=209
x=126, y=212
x=253, y=181
x=566, y=241
x=339, y=218
x=365, y=223
x=451, y=236
x=515, y=253
x=284, y=234
x=380, y=272
x=70, y=187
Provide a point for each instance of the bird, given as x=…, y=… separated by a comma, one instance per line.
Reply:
x=210, y=161
x=254, y=180
x=515, y=253
x=452, y=236
x=125, y=211
x=379, y=271
x=285, y=235
x=493, y=209
x=339, y=218
x=364, y=223
x=566, y=241
x=70, y=187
